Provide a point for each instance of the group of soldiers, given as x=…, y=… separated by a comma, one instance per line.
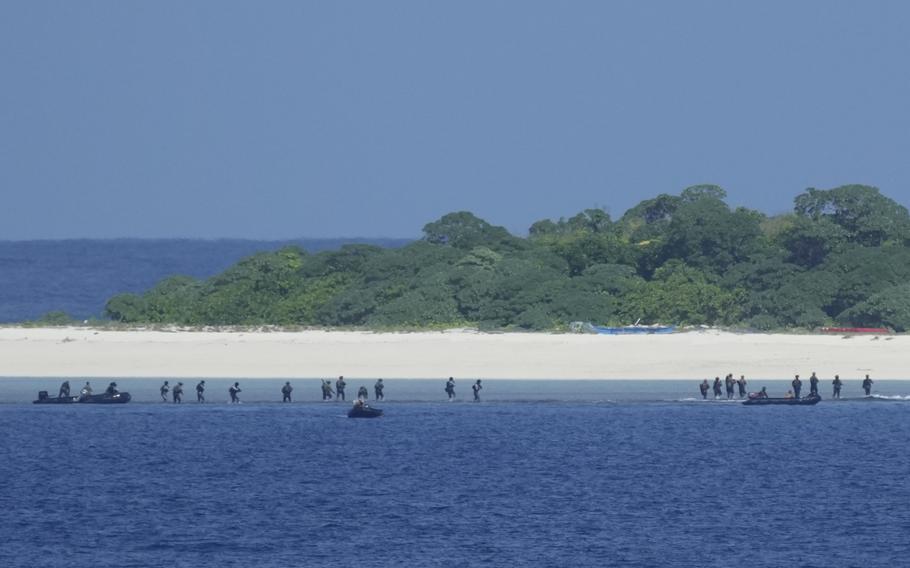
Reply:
x=328, y=393
x=450, y=389
x=837, y=384
x=731, y=385
x=177, y=392
x=338, y=393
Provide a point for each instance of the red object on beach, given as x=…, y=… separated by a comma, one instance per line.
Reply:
x=856, y=330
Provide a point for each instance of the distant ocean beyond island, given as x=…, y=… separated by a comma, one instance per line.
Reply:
x=78, y=276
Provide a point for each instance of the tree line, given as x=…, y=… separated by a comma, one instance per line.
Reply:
x=840, y=257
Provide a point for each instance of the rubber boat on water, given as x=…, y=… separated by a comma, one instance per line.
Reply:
x=104, y=398
x=762, y=401
x=364, y=410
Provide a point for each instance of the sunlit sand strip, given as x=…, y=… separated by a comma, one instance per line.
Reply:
x=56, y=352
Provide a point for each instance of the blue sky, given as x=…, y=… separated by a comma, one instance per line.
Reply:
x=340, y=118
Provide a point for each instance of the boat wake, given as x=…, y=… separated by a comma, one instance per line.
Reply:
x=888, y=397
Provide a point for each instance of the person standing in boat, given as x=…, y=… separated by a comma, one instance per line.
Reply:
x=797, y=386
x=177, y=393
x=450, y=388
x=741, y=383
x=64, y=390
x=837, y=385
x=339, y=388
x=363, y=394
x=234, y=391
x=200, y=391
x=286, y=392
x=86, y=391
x=867, y=385
x=377, y=390
x=164, y=390
x=813, y=385
x=476, y=388
x=718, y=391
x=704, y=387
x=728, y=384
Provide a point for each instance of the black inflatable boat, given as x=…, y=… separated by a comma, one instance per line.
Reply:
x=364, y=411
x=104, y=398
x=762, y=401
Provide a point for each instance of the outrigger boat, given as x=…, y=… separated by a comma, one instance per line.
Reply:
x=764, y=400
x=103, y=398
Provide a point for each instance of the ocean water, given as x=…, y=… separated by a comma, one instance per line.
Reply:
x=79, y=276
x=594, y=473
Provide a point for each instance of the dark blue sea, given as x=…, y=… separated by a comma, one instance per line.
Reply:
x=583, y=474
x=79, y=276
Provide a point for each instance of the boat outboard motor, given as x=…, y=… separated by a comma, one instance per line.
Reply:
x=42, y=395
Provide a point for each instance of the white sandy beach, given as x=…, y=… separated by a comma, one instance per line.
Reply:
x=86, y=352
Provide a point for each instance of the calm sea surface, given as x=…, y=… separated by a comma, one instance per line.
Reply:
x=80, y=276
x=538, y=474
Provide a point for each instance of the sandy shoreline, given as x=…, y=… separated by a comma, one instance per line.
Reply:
x=85, y=352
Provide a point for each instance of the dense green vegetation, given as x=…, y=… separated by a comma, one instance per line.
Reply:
x=841, y=257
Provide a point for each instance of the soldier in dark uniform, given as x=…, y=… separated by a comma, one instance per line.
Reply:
x=339, y=388
x=837, y=385
x=476, y=388
x=704, y=388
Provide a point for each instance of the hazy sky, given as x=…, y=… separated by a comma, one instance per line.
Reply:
x=332, y=118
